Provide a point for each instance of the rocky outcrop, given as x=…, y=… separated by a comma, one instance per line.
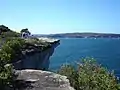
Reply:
x=29, y=75
x=35, y=57
x=41, y=80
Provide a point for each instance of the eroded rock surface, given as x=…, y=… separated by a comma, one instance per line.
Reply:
x=36, y=58
x=42, y=80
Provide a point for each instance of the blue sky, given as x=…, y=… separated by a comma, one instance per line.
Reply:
x=60, y=16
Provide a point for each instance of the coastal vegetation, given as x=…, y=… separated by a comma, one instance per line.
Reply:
x=11, y=49
x=5, y=32
x=9, y=52
x=89, y=75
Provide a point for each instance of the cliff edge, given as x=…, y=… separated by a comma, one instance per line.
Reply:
x=36, y=56
x=29, y=68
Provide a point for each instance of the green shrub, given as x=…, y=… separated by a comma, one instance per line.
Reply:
x=6, y=76
x=69, y=71
x=90, y=76
x=9, y=52
x=35, y=41
x=11, y=49
x=9, y=34
x=5, y=32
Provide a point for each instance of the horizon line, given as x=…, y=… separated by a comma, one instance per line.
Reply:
x=78, y=32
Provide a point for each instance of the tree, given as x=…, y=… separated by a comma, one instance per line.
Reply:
x=25, y=31
x=3, y=29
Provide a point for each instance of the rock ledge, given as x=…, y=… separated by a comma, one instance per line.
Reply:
x=43, y=80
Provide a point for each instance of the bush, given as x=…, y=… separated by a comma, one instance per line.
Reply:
x=9, y=52
x=69, y=71
x=9, y=34
x=6, y=76
x=90, y=76
x=5, y=32
x=11, y=49
x=35, y=41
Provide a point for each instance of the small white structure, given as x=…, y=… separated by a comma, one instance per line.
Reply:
x=25, y=35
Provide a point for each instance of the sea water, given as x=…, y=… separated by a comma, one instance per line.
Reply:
x=71, y=50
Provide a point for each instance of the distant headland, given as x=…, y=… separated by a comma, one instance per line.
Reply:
x=82, y=35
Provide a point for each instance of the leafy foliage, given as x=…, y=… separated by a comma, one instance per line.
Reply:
x=35, y=41
x=9, y=34
x=90, y=76
x=25, y=30
x=9, y=52
x=69, y=71
x=11, y=49
x=5, y=32
x=4, y=28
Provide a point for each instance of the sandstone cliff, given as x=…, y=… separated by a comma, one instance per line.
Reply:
x=30, y=66
x=35, y=58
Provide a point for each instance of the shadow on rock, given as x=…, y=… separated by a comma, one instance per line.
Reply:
x=23, y=85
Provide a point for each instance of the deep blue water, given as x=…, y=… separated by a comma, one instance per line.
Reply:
x=105, y=51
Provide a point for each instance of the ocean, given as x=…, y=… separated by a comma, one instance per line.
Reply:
x=71, y=50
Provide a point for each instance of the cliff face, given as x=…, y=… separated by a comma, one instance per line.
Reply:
x=32, y=79
x=36, y=59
